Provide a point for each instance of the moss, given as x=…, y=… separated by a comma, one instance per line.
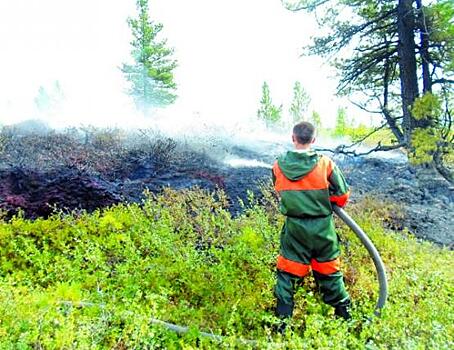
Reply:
x=95, y=280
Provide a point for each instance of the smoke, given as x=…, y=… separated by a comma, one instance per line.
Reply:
x=67, y=73
x=82, y=44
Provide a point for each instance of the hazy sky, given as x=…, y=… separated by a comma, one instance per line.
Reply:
x=225, y=50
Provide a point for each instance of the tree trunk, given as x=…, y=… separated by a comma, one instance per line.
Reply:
x=407, y=64
x=423, y=27
x=388, y=117
x=442, y=170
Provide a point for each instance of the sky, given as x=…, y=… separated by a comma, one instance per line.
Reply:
x=225, y=49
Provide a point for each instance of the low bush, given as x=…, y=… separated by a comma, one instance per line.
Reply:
x=95, y=281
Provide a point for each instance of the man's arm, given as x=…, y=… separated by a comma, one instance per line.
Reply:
x=273, y=175
x=339, y=191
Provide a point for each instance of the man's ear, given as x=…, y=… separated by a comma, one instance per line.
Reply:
x=313, y=140
x=293, y=138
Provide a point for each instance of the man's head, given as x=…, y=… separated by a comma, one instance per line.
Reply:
x=303, y=134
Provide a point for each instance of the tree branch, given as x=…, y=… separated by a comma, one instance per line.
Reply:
x=359, y=65
x=364, y=108
x=343, y=149
x=363, y=26
x=300, y=6
x=384, y=107
x=443, y=81
x=361, y=140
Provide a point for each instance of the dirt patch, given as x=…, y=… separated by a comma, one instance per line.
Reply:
x=38, y=194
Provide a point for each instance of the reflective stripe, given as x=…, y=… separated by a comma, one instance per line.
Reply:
x=316, y=179
x=341, y=200
x=293, y=267
x=326, y=268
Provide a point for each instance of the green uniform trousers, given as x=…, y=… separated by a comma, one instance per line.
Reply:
x=309, y=244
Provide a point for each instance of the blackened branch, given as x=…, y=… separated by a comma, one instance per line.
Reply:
x=344, y=149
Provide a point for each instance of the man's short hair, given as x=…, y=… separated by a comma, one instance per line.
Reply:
x=304, y=132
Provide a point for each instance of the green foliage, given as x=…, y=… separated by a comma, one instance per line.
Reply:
x=300, y=103
x=427, y=141
x=366, y=135
x=268, y=112
x=341, y=123
x=316, y=120
x=427, y=107
x=95, y=280
x=441, y=14
x=383, y=136
x=424, y=142
x=151, y=75
x=386, y=52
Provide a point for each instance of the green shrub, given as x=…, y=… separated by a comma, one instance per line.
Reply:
x=94, y=281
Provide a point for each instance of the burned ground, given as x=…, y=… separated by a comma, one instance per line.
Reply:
x=41, y=173
x=426, y=199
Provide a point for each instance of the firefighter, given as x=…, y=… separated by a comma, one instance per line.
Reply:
x=308, y=184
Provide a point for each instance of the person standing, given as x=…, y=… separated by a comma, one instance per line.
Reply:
x=308, y=185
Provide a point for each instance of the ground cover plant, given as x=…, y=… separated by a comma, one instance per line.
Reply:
x=94, y=281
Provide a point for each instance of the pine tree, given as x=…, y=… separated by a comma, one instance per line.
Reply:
x=316, y=121
x=151, y=75
x=341, y=123
x=268, y=112
x=49, y=101
x=300, y=103
x=399, y=56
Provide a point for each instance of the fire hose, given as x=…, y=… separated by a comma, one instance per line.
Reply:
x=379, y=266
x=365, y=240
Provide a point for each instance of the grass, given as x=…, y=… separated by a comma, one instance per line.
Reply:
x=94, y=281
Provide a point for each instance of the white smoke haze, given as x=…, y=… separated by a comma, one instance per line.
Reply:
x=225, y=52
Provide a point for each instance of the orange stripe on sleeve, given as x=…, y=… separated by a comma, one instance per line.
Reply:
x=341, y=200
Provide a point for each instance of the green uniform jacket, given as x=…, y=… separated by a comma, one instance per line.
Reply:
x=308, y=183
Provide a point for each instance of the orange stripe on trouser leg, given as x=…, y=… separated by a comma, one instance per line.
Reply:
x=326, y=268
x=293, y=267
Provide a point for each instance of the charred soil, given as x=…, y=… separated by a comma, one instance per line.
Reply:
x=42, y=173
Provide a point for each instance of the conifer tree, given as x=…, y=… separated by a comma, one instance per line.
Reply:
x=341, y=123
x=268, y=112
x=399, y=56
x=316, y=121
x=151, y=75
x=300, y=103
